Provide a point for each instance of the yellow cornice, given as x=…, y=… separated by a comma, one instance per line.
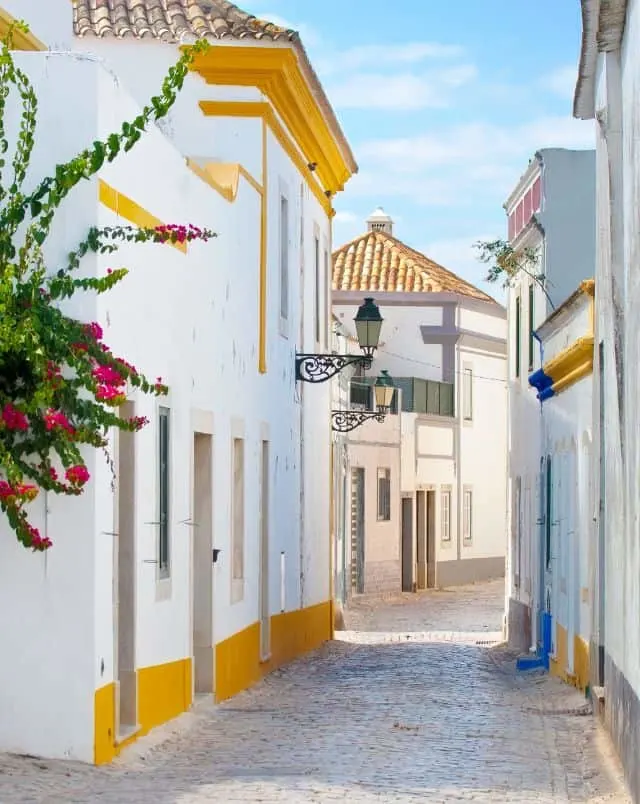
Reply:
x=128, y=209
x=571, y=363
x=276, y=73
x=21, y=40
x=224, y=177
x=263, y=110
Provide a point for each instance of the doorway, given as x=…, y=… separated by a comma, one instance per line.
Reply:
x=357, y=530
x=431, y=539
x=265, y=622
x=421, y=539
x=125, y=582
x=203, y=658
x=407, y=544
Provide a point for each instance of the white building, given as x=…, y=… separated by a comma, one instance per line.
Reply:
x=551, y=212
x=564, y=389
x=443, y=342
x=607, y=92
x=116, y=628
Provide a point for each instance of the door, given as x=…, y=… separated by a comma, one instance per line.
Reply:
x=203, y=655
x=125, y=582
x=421, y=539
x=431, y=539
x=265, y=622
x=357, y=530
x=407, y=544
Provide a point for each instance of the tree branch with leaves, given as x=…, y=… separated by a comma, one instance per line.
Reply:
x=504, y=263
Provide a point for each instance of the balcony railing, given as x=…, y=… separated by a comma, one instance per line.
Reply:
x=418, y=395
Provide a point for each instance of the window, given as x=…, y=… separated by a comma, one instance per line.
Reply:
x=318, y=299
x=327, y=301
x=445, y=516
x=237, y=533
x=284, y=258
x=532, y=324
x=467, y=516
x=164, y=534
x=384, y=495
x=517, y=354
x=548, y=512
x=467, y=394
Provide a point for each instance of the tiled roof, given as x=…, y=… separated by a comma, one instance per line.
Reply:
x=172, y=20
x=377, y=261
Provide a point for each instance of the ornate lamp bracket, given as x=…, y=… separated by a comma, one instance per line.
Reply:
x=320, y=368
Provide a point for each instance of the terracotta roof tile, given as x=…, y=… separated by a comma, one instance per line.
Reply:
x=172, y=20
x=377, y=261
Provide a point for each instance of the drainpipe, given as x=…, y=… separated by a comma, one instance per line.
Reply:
x=537, y=543
x=459, y=381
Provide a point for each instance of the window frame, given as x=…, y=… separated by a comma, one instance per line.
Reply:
x=284, y=262
x=467, y=375
x=445, y=535
x=383, y=476
x=317, y=316
x=531, y=325
x=467, y=515
x=517, y=340
x=164, y=492
x=238, y=512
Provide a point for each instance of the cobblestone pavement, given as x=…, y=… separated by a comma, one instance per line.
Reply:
x=409, y=710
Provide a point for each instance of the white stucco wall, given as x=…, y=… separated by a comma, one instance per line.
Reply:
x=194, y=321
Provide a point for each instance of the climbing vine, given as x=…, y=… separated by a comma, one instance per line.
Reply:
x=60, y=384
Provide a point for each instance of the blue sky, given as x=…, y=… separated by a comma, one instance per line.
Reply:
x=444, y=103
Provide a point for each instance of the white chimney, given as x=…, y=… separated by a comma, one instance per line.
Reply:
x=379, y=221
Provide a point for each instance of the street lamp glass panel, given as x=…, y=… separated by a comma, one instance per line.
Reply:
x=368, y=325
x=384, y=390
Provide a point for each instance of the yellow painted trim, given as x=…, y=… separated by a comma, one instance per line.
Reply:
x=126, y=208
x=293, y=633
x=164, y=692
x=21, y=41
x=261, y=109
x=262, y=300
x=276, y=73
x=559, y=665
x=565, y=363
x=579, y=372
x=224, y=177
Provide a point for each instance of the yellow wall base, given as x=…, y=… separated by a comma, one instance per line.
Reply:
x=559, y=666
x=293, y=633
x=165, y=691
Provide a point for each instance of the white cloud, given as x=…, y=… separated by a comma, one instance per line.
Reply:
x=400, y=91
x=561, y=81
x=364, y=56
x=345, y=216
x=478, y=143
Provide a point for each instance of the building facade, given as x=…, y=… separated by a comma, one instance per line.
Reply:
x=148, y=598
x=606, y=93
x=551, y=215
x=565, y=500
x=443, y=342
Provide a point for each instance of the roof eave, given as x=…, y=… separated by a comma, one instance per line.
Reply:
x=602, y=30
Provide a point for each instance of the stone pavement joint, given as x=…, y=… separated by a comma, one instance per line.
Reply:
x=370, y=717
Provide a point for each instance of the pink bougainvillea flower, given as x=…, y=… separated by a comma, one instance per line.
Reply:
x=38, y=543
x=56, y=419
x=108, y=376
x=77, y=475
x=93, y=330
x=13, y=418
x=138, y=422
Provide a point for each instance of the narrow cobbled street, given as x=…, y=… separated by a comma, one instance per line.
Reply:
x=416, y=702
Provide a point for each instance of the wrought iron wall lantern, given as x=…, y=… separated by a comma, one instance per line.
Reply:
x=343, y=421
x=320, y=368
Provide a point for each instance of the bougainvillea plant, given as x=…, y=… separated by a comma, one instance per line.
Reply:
x=60, y=385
